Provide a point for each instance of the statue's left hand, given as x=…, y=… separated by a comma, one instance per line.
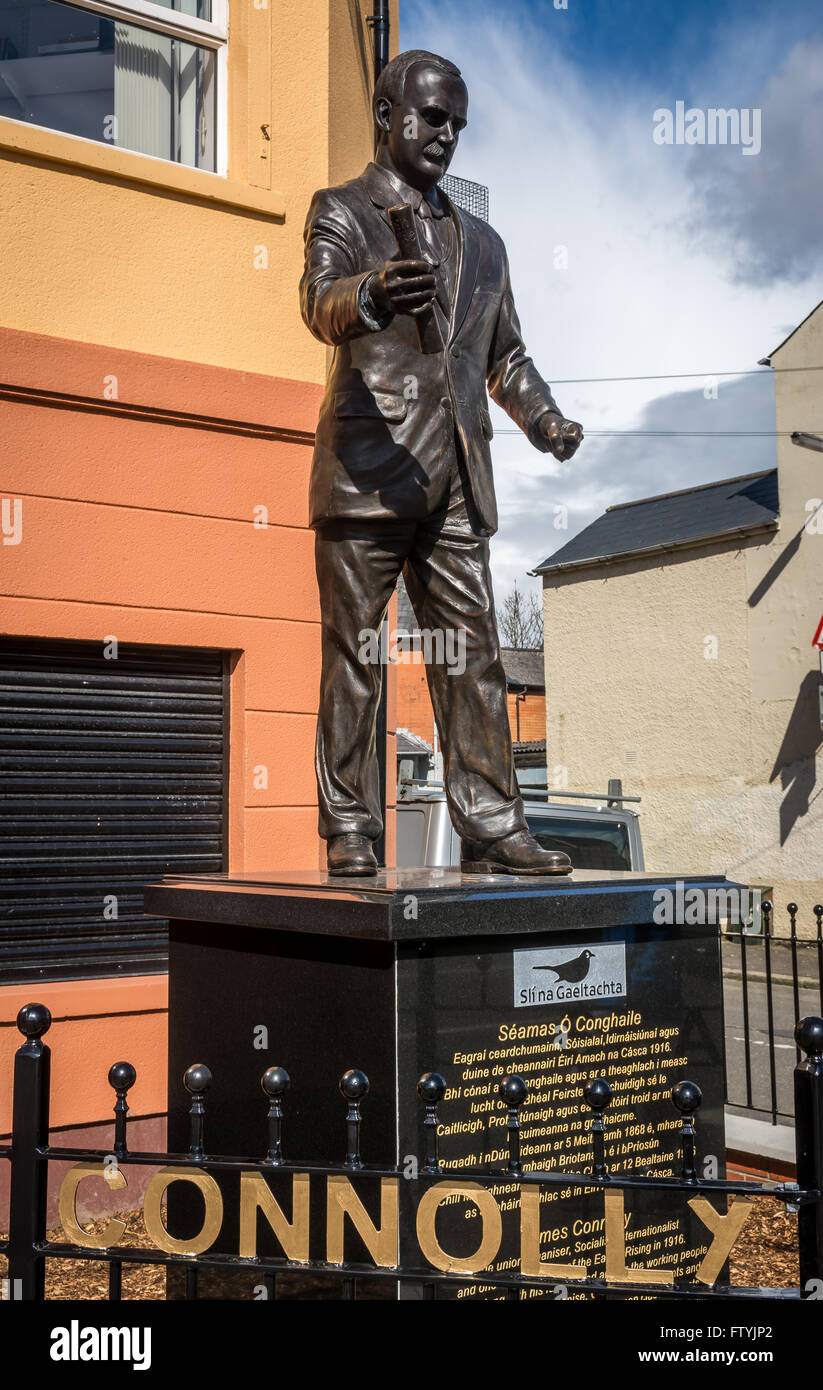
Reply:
x=564, y=436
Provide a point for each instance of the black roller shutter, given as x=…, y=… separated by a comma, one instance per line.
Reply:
x=114, y=773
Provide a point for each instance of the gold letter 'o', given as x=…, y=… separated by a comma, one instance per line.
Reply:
x=212, y=1221
x=490, y=1218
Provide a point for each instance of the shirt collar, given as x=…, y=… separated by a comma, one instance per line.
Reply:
x=406, y=194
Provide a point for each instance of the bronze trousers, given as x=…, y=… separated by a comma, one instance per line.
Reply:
x=445, y=563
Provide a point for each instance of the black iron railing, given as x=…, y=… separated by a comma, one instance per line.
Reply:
x=770, y=979
x=30, y=1154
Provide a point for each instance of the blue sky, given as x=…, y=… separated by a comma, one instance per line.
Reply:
x=679, y=259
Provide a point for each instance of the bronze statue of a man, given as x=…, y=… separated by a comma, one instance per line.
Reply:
x=402, y=474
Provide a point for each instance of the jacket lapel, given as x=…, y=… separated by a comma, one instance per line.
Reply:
x=469, y=263
x=380, y=190
x=384, y=195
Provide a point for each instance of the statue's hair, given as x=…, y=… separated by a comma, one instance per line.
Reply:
x=392, y=80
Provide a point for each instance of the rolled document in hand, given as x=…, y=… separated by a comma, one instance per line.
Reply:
x=404, y=228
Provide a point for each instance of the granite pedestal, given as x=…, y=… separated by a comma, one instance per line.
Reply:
x=427, y=970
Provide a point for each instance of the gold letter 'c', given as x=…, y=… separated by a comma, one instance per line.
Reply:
x=212, y=1221
x=67, y=1205
x=490, y=1217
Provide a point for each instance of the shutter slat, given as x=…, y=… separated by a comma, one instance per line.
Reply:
x=112, y=776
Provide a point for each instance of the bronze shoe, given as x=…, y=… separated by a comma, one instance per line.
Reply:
x=518, y=853
x=350, y=854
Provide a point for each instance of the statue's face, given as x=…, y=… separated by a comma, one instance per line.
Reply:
x=422, y=130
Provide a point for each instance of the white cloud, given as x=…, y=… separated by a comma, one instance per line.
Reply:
x=767, y=211
x=650, y=286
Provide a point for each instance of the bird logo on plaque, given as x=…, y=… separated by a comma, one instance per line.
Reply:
x=597, y=972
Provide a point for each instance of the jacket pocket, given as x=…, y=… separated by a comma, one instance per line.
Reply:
x=486, y=424
x=378, y=405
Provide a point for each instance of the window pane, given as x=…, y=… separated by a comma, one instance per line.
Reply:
x=198, y=9
x=589, y=844
x=72, y=70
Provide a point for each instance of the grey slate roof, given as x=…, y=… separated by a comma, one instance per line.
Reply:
x=733, y=506
x=523, y=666
x=408, y=743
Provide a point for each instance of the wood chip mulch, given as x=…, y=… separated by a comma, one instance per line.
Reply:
x=765, y=1256
x=83, y=1279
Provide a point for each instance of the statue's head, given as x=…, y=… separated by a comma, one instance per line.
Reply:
x=420, y=105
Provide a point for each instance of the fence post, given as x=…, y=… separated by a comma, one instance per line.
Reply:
x=808, y=1112
x=29, y=1176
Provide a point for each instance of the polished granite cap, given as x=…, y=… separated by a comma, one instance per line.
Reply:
x=413, y=904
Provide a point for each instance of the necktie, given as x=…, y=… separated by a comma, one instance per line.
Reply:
x=435, y=234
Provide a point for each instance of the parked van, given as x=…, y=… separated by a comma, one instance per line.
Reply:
x=605, y=835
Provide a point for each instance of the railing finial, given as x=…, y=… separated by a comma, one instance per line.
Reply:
x=687, y=1098
x=275, y=1083
x=809, y=1037
x=197, y=1080
x=513, y=1092
x=122, y=1077
x=597, y=1094
x=431, y=1089
x=33, y=1021
x=353, y=1086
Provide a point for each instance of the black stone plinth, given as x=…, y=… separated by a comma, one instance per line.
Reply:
x=419, y=970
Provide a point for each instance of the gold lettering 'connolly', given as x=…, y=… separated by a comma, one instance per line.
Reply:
x=380, y=1237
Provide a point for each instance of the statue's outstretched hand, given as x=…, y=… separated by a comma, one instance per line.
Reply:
x=564, y=436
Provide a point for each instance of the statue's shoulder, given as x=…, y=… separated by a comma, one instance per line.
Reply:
x=342, y=195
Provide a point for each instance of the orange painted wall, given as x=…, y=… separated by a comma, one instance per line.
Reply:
x=138, y=522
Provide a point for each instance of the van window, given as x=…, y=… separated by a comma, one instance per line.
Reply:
x=411, y=836
x=591, y=844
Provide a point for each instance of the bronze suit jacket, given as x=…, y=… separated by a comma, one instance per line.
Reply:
x=386, y=432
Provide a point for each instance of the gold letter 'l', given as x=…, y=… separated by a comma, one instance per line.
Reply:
x=616, y=1249
x=530, y=1263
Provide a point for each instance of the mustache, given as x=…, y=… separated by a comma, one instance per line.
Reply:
x=434, y=148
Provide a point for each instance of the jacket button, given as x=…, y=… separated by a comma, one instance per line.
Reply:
x=455, y=352
x=446, y=403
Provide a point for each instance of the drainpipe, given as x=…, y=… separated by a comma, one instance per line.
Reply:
x=379, y=22
x=519, y=692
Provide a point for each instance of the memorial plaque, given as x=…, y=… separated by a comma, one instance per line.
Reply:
x=639, y=1006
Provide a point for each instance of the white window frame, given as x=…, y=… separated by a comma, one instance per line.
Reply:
x=213, y=34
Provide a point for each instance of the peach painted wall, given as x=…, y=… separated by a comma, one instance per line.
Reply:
x=138, y=525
